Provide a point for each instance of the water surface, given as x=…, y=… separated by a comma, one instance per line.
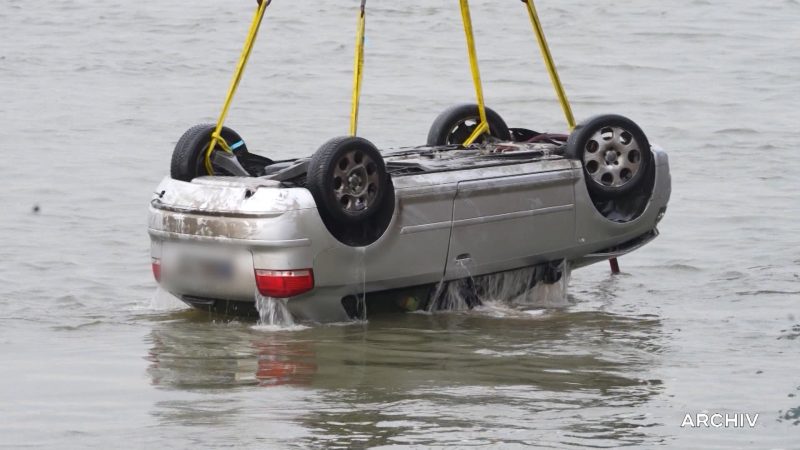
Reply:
x=705, y=319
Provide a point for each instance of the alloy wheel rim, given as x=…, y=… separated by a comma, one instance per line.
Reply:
x=612, y=157
x=355, y=181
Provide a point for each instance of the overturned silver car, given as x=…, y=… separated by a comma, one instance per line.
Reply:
x=411, y=217
x=318, y=234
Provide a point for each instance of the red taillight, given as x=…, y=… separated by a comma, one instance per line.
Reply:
x=157, y=269
x=284, y=283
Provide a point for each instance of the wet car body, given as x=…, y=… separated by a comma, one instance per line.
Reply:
x=456, y=213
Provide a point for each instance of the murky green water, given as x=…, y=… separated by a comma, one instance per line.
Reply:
x=704, y=320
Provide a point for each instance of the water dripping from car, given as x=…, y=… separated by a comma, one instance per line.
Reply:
x=273, y=311
x=456, y=295
x=541, y=286
x=361, y=267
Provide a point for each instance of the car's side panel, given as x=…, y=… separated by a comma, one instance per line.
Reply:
x=509, y=222
x=412, y=250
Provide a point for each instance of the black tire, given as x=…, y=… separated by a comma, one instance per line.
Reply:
x=188, y=158
x=348, y=179
x=452, y=126
x=614, y=152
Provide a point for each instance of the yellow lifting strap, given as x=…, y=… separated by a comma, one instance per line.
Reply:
x=483, y=126
x=358, y=68
x=548, y=62
x=216, y=138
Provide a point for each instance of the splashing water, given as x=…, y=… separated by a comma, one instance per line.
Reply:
x=451, y=296
x=546, y=295
x=273, y=311
x=503, y=290
x=164, y=301
x=456, y=295
x=361, y=268
x=507, y=286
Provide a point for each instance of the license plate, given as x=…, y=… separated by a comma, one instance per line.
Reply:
x=203, y=267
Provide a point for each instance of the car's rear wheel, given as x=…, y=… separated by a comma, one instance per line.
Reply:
x=615, y=154
x=348, y=179
x=455, y=124
x=188, y=158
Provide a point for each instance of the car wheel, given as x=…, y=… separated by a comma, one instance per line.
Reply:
x=348, y=179
x=188, y=158
x=456, y=124
x=615, y=154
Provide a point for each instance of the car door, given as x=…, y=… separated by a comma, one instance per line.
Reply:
x=413, y=249
x=505, y=222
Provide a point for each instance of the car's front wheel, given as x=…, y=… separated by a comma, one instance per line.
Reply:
x=615, y=154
